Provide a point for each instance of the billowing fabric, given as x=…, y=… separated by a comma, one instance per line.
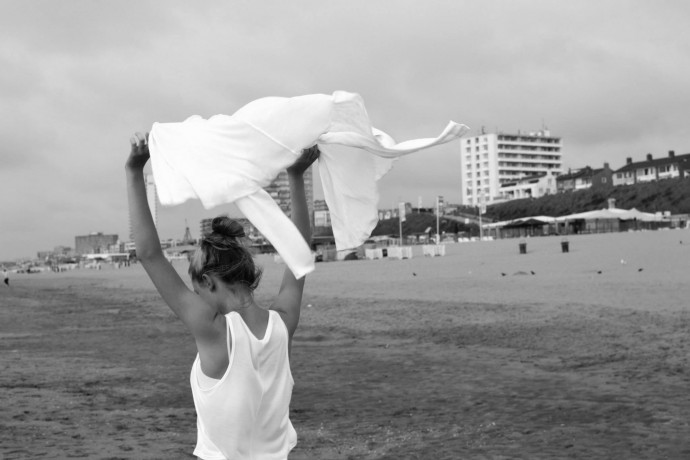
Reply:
x=229, y=159
x=245, y=415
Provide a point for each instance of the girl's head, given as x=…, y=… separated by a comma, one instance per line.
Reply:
x=223, y=256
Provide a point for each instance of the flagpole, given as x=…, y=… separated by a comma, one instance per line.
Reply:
x=438, y=231
x=401, y=217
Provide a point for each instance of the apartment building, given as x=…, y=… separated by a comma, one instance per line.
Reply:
x=280, y=192
x=491, y=160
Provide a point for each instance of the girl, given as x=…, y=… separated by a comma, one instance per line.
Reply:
x=241, y=379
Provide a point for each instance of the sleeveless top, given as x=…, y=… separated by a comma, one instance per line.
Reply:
x=245, y=414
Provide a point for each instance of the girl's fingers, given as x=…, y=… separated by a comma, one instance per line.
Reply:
x=139, y=141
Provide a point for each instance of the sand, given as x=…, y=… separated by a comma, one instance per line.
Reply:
x=464, y=356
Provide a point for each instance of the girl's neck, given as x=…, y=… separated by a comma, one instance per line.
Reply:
x=240, y=300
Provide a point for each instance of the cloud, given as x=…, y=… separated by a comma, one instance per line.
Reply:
x=79, y=76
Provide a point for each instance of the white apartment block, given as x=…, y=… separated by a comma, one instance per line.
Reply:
x=490, y=160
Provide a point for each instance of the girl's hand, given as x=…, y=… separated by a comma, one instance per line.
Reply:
x=139, y=154
x=308, y=157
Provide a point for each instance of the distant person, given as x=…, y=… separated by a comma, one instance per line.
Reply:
x=241, y=379
x=6, y=276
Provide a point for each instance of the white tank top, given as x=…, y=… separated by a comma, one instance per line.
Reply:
x=245, y=415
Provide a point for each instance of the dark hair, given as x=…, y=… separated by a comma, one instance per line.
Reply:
x=223, y=254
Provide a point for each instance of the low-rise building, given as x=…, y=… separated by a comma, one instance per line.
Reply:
x=534, y=186
x=94, y=243
x=586, y=177
x=385, y=214
x=652, y=169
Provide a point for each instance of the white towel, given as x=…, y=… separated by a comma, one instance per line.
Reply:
x=229, y=159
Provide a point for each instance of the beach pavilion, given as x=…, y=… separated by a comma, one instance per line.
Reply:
x=609, y=220
x=597, y=221
x=523, y=227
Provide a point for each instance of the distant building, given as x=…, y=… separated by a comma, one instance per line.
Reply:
x=320, y=205
x=63, y=251
x=280, y=192
x=58, y=253
x=94, y=243
x=586, y=177
x=492, y=159
x=652, y=169
x=385, y=214
x=528, y=187
x=322, y=216
x=322, y=219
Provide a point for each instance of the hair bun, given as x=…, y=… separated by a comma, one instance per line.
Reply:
x=223, y=225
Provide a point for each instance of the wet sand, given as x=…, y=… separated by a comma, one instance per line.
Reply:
x=464, y=356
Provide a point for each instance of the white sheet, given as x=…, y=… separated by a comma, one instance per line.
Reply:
x=229, y=159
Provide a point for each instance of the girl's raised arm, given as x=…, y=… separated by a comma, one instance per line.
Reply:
x=189, y=307
x=289, y=299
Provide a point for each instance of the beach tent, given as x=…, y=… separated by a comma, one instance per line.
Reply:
x=611, y=213
x=524, y=226
x=609, y=220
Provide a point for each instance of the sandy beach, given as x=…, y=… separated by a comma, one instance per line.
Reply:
x=485, y=353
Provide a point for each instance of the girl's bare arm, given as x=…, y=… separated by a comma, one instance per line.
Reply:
x=289, y=299
x=190, y=308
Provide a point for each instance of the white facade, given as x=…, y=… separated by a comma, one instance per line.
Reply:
x=490, y=160
x=322, y=219
x=651, y=169
x=529, y=187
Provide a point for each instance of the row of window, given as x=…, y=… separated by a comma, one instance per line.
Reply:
x=528, y=148
x=486, y=191
x=529, y=166
x=476, y=149
x=647, y=171
x=543, y=140
x=529, y=157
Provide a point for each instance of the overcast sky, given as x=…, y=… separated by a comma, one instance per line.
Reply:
x=78, y=77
